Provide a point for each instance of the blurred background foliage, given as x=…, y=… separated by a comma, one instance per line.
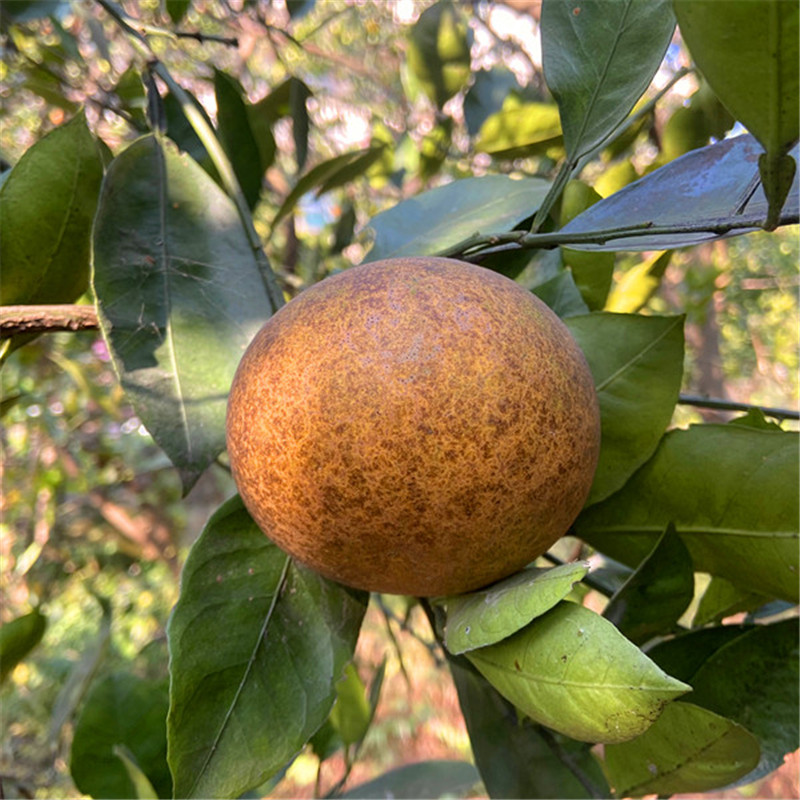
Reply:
x=94, y=528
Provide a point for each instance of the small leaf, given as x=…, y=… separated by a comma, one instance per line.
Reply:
x=486, y=95
x=180, y=296
x=181, y=132
x=520, y=130
x=177, y=9
x=731, y=492
x=298, y=94
x=637, y=284
x=17, y=638
x=688, y=749
x=576, y=673
x=491, y=615
x=598, y=57
x=122, y=709
x=142, y=788
x=351, y=715
x=655, y=596
x=446, y=215
x=257, y=644
x=637, y=364
x=424, y=779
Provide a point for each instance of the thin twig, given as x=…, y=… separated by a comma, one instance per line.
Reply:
x=731, y=405
x=46, y=319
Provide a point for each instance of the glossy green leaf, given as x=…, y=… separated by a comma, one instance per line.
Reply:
x=688, y=749
x=444, y=216
x=598, y=57
x=122, y=709
x=754, y=680
x=46, y=208
x=722, y=599
x=18, y=637
x=732, y=493
x=520, y=129
x=421, y=780
x=236, y=135
x=573, y=671
x=257, y=644
x=655, y=596
x=180, y=296
x=635, y=286
x=689, y=201
x=516, y=757
x=592, y=273
x=488, y=616
x=562, y=295
x=637, y=364
x=439, y=51
x=488, y=92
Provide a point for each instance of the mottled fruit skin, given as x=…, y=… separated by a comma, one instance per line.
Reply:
x=416, y=426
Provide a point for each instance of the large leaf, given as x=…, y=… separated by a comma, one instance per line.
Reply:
x=482, y=618
x=443, y=216
x=180, y=296
x=598, y=57
x=517, y=758
x=257, y=644
x=691, y=200
x=688, y=749
x=731, y=492
x=423, y=779
x=46, y=208
x=122, y=709
x=575, y=672
x=637, y=364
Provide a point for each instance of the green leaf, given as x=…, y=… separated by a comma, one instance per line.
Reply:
x=46, y=208
x=351, y=715
x=439, y=51
x=637, y=284
x=488, y=92
x=732, y=493
x=142, y=788
x=655, y=596
x=257, y=645
x=434, y=147
x=44, y=83
x=122, y=709
x=575, y=672
x=515, y=757
x=520, y=130
x=722, y=599
x=180, y=296
x=298, y=94
x=562, y=295
x=486, y=617
x=593, y=273
x=754, y=680
x=637, y=364
x=444, y=216
x=18, y=637
x=598, y=57
x=688, y=201
x=180, y=130
x=688, y=749
x=424, y=779
x=237, y=137
x=177, y=9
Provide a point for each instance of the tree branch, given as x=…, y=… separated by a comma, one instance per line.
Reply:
x=46, y=319
x=731, y=405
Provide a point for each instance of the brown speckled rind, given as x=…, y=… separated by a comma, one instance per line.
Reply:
x=416, y=426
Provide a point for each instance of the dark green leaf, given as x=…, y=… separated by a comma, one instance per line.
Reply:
x=177, y=9
x=694, y=197
x=515, y=757
x=298, y=94
x=130, y=91
x=180, y=296
x=439, y=51
x=424, y=779
x=444, y=216
x=17, y=638
x=257, y=644
x=183, y=134
x=562, y=295
x=434, y=147
x=45, y=84
x=491, y=615
x=121, y=710
x=598, y=57
x=486, y=95
x=237, y=137
x=655, y=596
x=573, y=671
x=732, y=493
x=299, y=8
x=27, y=10
x=142, y=788
x=637, y=364
x=688, y=749
x=46, y=208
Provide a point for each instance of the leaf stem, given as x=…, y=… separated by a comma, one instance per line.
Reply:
x=567, y=760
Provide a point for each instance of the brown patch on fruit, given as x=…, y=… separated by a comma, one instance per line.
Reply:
x=416, y=426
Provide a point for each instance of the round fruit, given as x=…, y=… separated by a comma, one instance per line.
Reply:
x=416, y=426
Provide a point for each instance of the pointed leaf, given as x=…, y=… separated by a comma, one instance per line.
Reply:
x=180, y=296
x=490, y=615
x=598, y=57
x=562, y=295
x=688, y=749
x=47, y=203
x=655, y=596
x=351, y=715
x=575, y=672
x=443, y=216
x=637, y=364
x=732, y=493
x=424, y=779
x=181, y=132
x=18, y=637
x=689, y=201
x=257, y=644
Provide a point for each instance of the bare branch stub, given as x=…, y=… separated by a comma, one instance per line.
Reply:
x=46, y=319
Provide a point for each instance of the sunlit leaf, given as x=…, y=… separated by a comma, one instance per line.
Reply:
x=637, y=284
x=257, y=644
x=520, y=130
x=486, y=95
x=351, y=714
x=722, y=599
x=592, y=273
